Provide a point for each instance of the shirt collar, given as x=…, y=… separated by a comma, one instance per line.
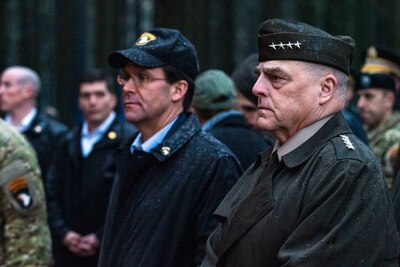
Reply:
x=102, y=128
x=298, y=139
x=153, y=141
x=25, y=122
x=210, y=124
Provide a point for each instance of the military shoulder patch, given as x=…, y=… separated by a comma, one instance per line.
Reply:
x=16, y=180
x=19, y=189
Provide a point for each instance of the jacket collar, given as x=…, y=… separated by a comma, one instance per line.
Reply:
x=183, y=129
x=334, y=127
x=259, y=199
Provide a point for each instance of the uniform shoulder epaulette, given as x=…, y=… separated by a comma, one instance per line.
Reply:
x=346, y=146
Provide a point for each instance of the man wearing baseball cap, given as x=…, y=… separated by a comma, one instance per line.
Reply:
x=171, y=176
x=318, y=197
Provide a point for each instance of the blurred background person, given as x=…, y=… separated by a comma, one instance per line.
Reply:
x=19, y=90
x=351, y=116
x=24, y=235
x=81, y=178
x=244, y=78
x=380, y=59
x=376, y=98
x=214, y=102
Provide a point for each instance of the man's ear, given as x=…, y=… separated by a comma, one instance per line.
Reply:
x=390, y=96
x=328, y=88
x=178, y=90
x=114, y=100
x=28, y=92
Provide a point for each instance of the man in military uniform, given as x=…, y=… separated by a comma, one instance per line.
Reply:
x=376, y=94
x=380, y=59
x=19, y=89
x=24, y=233
x=318, y=197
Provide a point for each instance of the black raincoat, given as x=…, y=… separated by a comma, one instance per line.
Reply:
x=160, y=212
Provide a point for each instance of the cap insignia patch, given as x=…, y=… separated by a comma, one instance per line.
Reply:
x=371, y=52
x=145, y=38
x=347, y=142
x=282, y=46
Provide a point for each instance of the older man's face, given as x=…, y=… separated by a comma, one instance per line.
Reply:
x=287, y=97
x=12, y=91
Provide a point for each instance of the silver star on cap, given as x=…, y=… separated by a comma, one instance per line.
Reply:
x=282, y=45
x=347, y=142
x=289, y=45
x=273, y=46
x=297, y=44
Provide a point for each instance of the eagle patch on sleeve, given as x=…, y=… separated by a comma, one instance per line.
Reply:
x=20, y=191
x=16, y=182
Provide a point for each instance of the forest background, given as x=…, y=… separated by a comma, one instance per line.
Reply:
x=62, y=38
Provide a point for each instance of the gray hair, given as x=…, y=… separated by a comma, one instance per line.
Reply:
x=319, y=70
x=27, y=77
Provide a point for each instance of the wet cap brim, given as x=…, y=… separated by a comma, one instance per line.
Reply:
x=119, y=59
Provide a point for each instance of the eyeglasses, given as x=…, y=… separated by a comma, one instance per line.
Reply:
x=139, y=80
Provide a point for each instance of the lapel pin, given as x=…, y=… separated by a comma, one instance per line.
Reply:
x=38, y=129
x=112, y=135
x=165, y=150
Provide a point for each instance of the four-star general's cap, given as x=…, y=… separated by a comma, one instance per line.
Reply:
x=159, y=47
x=292, y=40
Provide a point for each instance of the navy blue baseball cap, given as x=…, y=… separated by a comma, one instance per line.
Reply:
x=159, y=47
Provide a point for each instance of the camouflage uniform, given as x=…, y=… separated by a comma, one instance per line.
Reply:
x=24, y=234
x=382, y=140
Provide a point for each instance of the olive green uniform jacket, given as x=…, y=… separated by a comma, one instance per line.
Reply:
x=324, y=203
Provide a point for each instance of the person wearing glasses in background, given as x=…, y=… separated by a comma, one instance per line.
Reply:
x=81, y=178
x=171, y=175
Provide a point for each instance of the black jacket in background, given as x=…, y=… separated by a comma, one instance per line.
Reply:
x=44, y=134
x=160, y=211
x=79, y=189
x=245, y=142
